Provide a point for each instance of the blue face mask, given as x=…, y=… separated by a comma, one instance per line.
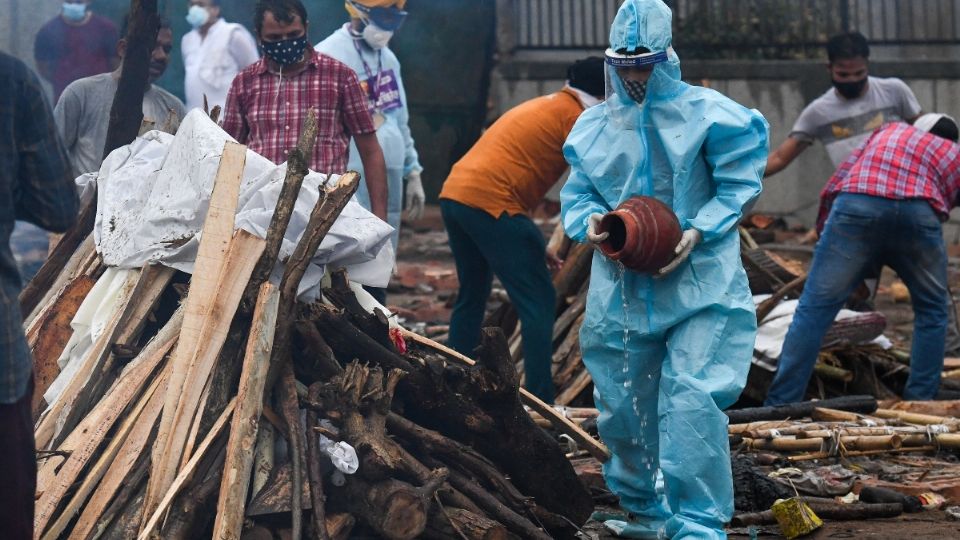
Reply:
x=74, y=12
x=197, y=16
x=286, y=52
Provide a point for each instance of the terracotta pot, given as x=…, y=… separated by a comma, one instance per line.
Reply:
x=643, y=234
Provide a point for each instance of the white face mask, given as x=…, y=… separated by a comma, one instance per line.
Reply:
x=376, y=37
x=197, y=16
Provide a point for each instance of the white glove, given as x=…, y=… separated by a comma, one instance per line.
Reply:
x=415, y=198
x=688, y=241
x=593, y=225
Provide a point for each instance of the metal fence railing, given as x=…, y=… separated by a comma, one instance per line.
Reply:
x=747, y=28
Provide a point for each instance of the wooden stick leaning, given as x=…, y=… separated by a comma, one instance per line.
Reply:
x=243, y=431
x=187, y=473
x=214, y=243
x=562, y=424
x=328, y=208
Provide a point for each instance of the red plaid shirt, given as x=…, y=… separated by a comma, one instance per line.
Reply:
x=899, y=162
x=266, y=113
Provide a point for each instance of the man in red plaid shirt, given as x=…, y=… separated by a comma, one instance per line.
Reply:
x=884, y=205
x=269, y=100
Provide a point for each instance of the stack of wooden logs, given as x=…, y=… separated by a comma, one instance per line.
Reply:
x=186, y=417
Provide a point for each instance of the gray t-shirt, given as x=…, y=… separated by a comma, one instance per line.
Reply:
x=83, y=116
x=842, y=124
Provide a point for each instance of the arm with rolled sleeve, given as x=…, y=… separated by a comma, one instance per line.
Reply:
x=46, y=194
x=735, y=151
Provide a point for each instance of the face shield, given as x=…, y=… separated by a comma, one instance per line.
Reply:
x=386, y=18
x=626, y=75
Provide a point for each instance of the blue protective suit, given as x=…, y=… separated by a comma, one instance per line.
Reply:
x=394, y=134
x=667, y=354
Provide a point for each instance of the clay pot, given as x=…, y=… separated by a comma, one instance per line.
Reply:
x=643, y=234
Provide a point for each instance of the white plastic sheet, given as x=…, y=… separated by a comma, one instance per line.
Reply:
x=773, y=331
x=153, y=196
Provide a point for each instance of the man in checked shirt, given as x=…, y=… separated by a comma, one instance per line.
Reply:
x=36, y=185
x=883, y=205
x=268, y=101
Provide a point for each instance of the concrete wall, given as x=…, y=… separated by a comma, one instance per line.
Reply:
x=778, y=89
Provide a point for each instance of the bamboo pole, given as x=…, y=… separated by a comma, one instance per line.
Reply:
x=914, y=418
x=786, y=445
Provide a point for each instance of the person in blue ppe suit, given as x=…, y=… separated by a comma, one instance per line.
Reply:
x=669, y=352
x=362, y=44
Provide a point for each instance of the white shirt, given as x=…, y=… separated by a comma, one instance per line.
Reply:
x=212, y=61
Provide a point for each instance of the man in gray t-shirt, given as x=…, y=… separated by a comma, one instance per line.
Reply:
x=847, y=113
x=83, y=112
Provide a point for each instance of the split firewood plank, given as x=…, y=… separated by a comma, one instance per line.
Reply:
x=187, y=473
x=150, y=285
x=71, y=271
x=243, y=431
x=243, y=254
x=263, y=458
x=140, y=414
x=214, y=243
x=575, y=388
x=85, y=440
x=50, y=343
x=122, y=465
x=562, y=424
x=52, y=428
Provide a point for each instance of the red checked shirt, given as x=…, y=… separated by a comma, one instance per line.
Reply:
x=266, y=113
x=898, y=162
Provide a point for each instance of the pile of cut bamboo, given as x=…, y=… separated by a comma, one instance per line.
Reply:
x=185, y=418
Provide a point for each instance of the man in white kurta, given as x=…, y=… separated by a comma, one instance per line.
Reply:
x=213, y=53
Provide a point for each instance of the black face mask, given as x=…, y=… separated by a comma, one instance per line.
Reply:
x=850, y=90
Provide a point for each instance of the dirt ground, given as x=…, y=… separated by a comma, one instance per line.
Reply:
x=425, y=285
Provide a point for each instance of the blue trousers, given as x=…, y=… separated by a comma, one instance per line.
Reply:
x=862, y=230
x=513, y=248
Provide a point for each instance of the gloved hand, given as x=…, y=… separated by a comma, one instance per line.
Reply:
x=415, y=198
x=593, y=225
x=689, y=240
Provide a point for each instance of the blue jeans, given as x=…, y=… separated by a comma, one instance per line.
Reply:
x=862, y=230
x=513, y=248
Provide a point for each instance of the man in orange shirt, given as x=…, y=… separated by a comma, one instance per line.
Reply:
x=485, y=202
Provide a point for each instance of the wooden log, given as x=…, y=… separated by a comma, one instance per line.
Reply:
x=765, y=307
x=833, y=373
x=339, y=526
x=121, y=467
x=191, y=510
x=239, y=459
x=57, y=475
x=150, y=285
x=834, y=511
x=105, y=460
x=915, y=418
x=448, y=523
x=575, y=388
x=243, y=253
x=124, y=517
x=54, y=337
x=298, y=161
x=287, y=395
x=314, y=460
x=561, y=424
x=72, y=269
x=563, y=323
x=185, y=475
x=860, y=404
x=559, y=243
x=870, y=442
x=574, y=272
x=263, y=458
x=51, y=428
x=211, y=255
x=786, y=444
x=394, y=509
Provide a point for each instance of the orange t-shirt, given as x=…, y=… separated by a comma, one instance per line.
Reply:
x=518, y=159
